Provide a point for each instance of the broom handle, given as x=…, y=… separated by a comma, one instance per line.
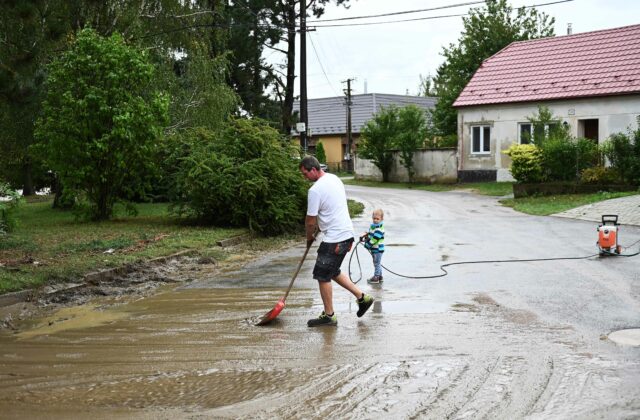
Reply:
x=306, y=251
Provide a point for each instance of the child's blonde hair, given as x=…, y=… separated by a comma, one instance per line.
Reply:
x=378, y=211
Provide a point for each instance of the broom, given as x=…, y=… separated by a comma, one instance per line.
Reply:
x=279, y=306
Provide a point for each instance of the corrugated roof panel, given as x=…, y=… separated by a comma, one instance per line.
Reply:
x=598, y=63
x=329, y=115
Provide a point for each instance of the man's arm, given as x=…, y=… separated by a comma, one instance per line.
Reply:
x=310, y=225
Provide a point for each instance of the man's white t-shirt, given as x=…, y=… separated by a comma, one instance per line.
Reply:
x=327, y=200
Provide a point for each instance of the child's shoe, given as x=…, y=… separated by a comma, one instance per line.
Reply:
x=374, y=280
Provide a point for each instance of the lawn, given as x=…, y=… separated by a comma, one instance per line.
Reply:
x=51, y=245
x=546, y=205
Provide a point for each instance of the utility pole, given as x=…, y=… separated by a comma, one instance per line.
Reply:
x=304, y=117
x=348, y=156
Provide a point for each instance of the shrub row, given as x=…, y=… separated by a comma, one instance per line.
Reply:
x=558, y=159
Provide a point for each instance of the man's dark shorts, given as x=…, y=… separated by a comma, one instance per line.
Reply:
x=330, y=257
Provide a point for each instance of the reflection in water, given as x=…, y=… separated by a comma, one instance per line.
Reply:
x=377, y=307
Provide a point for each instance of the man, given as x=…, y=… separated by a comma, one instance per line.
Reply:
x=327, y=211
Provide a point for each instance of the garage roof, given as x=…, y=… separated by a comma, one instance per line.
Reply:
x=329, y=115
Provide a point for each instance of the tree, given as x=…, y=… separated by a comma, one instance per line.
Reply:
x=286, y=17
x=320, y=153
x=31, y=30
x=486, y=31
x=378, y=138
x=426, y=87
x=241, y=176
x=411, y=135
x=101, y=120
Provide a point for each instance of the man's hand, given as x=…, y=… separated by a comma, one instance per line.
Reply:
x=364, y=237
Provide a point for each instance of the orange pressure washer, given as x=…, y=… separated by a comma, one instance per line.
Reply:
x=608, y=235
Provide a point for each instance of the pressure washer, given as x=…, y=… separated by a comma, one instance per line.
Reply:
x=608, y=235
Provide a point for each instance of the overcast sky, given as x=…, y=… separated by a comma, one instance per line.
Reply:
x=389, y=58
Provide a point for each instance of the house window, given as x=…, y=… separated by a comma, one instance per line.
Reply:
x=525, y=132
x=528, y=132
x=480, y=139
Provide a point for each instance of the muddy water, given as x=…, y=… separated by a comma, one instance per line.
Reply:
x=194, y=353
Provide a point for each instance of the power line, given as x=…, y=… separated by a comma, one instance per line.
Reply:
x=270, y=25
x=429, y=17
x=400, y=13
x=313, y=46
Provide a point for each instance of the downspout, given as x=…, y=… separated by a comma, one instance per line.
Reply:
x=460, y=140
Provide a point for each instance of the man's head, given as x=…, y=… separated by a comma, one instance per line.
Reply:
x=310, y=168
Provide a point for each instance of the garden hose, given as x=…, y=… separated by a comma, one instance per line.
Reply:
x=445, y=272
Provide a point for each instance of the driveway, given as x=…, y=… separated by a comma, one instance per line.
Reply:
x=488, y=340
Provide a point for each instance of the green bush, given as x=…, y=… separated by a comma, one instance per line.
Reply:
x=563, y=158
x=599, y=175
x=558, y=159
x=10, y=200
x=242, y=176
x=526, y=163
x=623, y=153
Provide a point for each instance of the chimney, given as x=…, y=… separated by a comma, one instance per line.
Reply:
x=365, y=86
x=568, y=29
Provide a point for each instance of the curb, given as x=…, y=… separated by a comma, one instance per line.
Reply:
x=235, y=240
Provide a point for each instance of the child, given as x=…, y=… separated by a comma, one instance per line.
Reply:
x=374, y=242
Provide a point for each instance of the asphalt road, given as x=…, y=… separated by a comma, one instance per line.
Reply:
x=489, y=340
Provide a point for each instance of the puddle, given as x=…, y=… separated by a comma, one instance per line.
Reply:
x=396, y=307
x=628, y=337
x=79, y=317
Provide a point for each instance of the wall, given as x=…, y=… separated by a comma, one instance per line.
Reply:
x=431, y=166
x=332, y=148
x=615, y=114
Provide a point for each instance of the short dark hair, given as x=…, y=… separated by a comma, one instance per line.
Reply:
x=309, y=162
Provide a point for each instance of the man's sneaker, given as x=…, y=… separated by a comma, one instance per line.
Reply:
x=380, y=279
x=323, y=320
x=374, y=280
x=364, y=304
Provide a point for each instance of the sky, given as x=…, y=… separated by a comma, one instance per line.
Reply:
x=390, y=58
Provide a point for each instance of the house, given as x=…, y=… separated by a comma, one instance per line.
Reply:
x=590, y=81
x=328, y=121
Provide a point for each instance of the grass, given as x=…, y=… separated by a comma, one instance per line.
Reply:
x=546, y=205
x=355, y=208
x=50, y=245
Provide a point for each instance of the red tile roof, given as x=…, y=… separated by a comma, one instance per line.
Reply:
x=599, y=63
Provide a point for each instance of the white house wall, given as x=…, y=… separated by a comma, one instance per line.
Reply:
x=614, y=115
x=432, y=166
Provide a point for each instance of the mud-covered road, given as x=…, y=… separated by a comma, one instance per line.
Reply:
x=490, y=340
